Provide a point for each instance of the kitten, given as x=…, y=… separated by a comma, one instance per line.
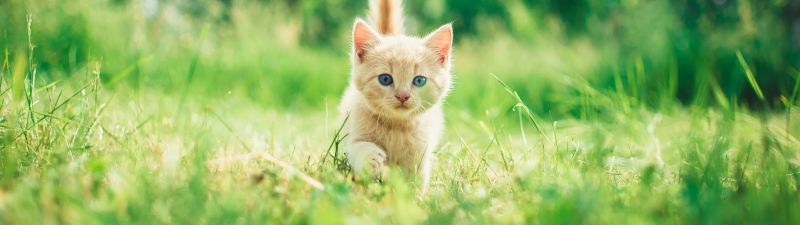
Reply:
x=394, y=99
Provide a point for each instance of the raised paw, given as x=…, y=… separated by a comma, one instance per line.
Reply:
x=367, y=159
x=377, y=162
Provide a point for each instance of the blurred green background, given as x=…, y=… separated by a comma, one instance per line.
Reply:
x=294, y=53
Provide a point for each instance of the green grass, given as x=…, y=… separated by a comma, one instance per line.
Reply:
x=97, y=156
x=237, y=126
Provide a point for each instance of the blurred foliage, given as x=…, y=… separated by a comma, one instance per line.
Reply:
x=61, y=42
x=689, y=44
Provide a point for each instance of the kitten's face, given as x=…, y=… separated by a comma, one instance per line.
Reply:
x=401, y=76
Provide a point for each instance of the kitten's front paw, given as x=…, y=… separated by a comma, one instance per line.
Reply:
x=367, y=159
x=377, y=162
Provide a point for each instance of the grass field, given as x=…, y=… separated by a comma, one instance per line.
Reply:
x=239, y=126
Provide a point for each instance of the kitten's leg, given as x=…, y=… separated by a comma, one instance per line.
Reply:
x=425, y=171
x=366, y=158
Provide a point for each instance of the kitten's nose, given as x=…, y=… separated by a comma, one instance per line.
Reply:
x=402, y=97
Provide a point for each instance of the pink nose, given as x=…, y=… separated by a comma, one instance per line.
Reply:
x=402, y=97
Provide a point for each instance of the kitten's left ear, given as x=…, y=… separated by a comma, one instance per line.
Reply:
x=363, y=36
x=441, y=40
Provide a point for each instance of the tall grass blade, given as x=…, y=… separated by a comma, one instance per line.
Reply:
x=790, y=103
x=793, y=98
x=338, y=138
x=520, y=105
x=268, y=157
x=750, y=77
x=31, y=72
x=128, y=70
x=3, y=69
x=192, y=68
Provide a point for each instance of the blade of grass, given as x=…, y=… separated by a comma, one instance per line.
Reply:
x=137, y=127
x=59, y=106
x=337, y=139
x=507, y=160
x=750, y=77
x=521, y=106
x=266, y=156
x=3, y=69
x=128, y=70
x=17, y=93
x=794, y=90
x=719, y=95
x=792, y=99
x=192, y=68
x=31, y=71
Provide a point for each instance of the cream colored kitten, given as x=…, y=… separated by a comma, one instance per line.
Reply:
x=394, y=100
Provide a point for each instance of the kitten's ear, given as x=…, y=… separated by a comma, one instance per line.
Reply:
x=363, y=37
x=441, y=40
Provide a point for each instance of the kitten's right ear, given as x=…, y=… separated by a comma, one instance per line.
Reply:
x=363, y=37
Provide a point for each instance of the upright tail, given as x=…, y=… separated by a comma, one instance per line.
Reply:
x=387, y=16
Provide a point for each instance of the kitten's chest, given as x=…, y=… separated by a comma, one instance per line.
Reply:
x=404, y=146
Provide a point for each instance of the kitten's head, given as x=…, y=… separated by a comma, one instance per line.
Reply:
x=400, y=76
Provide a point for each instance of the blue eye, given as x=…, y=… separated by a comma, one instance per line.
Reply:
x=419, y=81
x=385, y=79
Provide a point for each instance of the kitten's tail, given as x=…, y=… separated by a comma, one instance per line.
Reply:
x=387, y=16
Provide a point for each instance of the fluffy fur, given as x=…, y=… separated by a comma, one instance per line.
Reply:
x=398, y=124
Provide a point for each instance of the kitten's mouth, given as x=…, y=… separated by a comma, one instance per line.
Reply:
x=402, y=106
